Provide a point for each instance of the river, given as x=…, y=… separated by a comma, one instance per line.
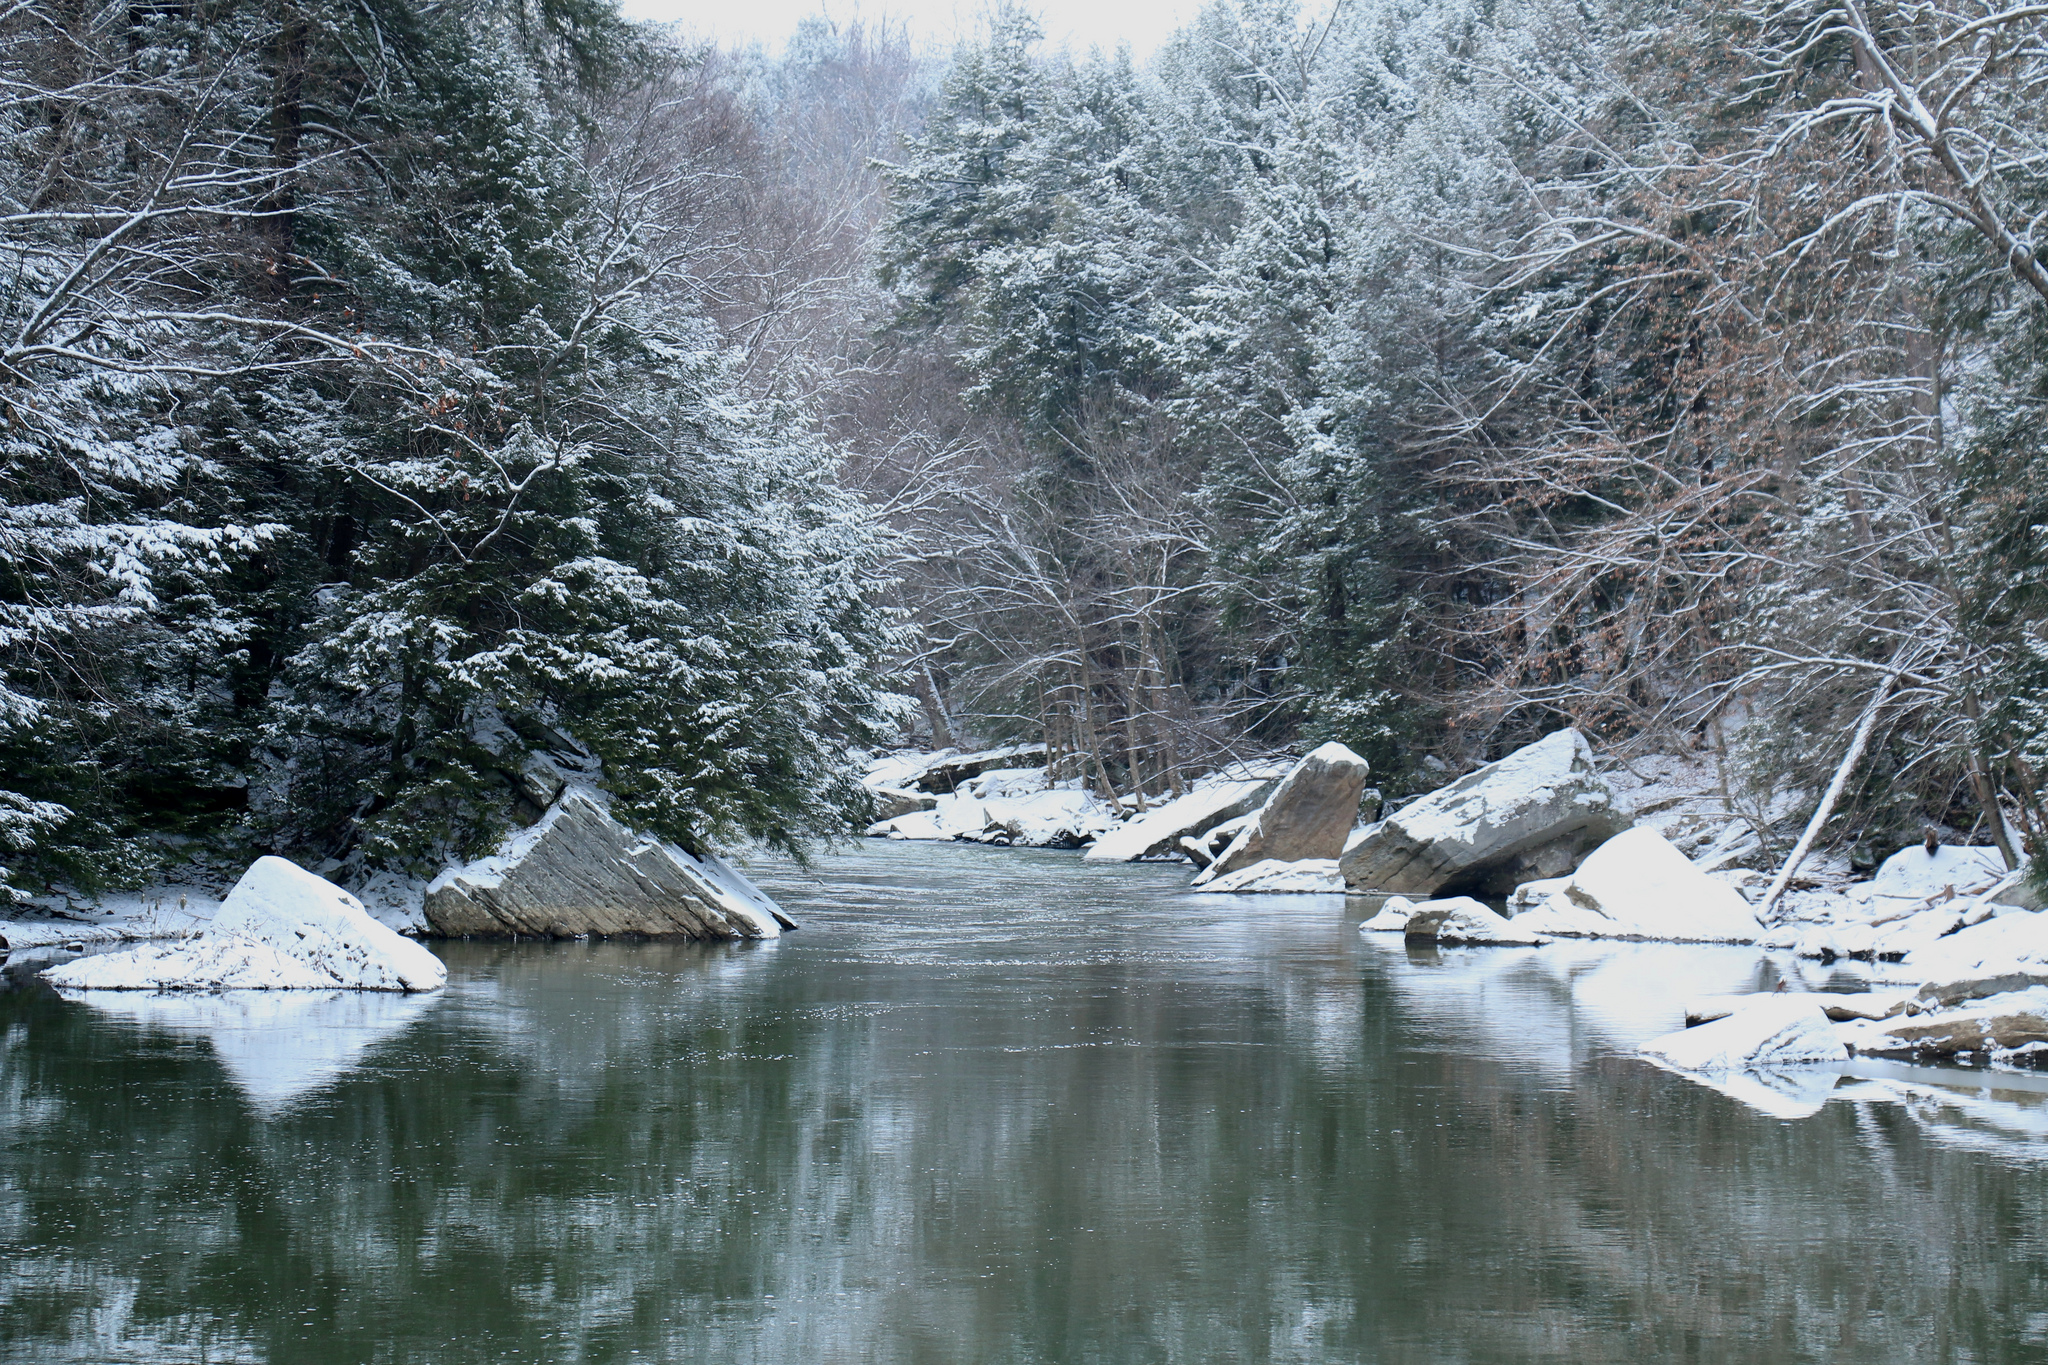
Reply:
x=998, y=1106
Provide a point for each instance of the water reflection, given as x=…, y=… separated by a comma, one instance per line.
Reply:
x=277, y=1046
x=995, y=1105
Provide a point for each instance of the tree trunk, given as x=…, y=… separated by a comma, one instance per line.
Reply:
x=1857, y=743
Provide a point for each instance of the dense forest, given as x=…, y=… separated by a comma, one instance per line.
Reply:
x=413, y=407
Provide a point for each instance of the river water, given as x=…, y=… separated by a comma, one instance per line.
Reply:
x=998, y=1106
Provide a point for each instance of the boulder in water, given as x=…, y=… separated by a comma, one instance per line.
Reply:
x=281, y=928
x=1308, y=815
x=1535, y=813
x=1460, y=919
x=579, y=873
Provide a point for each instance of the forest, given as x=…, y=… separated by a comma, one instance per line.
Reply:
x=413, y=408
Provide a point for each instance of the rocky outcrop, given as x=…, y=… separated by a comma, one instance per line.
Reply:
x=1636, y=885
x=579, y=873
x=1309, y=815
x=947, y=774
x=1160, y=831
x=281, y=928
x=891, y=802
x=1533, y=814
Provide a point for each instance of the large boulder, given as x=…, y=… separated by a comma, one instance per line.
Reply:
x=578, y=873
x=1533, y=814
x=281, y=928
x=1309, y=815
x=1160, y=830
x=1637, y=885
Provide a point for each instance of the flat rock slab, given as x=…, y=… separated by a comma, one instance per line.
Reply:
x=1308, y=816
x=1160, y=830
x=1317, y=875
x=1533, y=814
x=579, y=873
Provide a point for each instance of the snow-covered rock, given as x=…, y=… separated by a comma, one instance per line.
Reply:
x=950, y=771
x=576, y=872
x=891, y=802
x=1838, y=1007
x=1460, y=919
x=1309, y=815
x=1272, y=875
x=1533, y=814
x=1201, y=849
x=2004, y=1023
x=1774, y=1031
x=1211, y=801
x=2011, y=945
x=1913, y=879
x=280, y=928
x=1392, y=918
x=1636, y=885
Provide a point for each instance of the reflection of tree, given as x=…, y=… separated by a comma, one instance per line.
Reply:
x=1012, y=1120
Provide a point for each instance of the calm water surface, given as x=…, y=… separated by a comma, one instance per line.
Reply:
x=996, y=1106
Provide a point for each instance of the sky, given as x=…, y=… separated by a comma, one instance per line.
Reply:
x=1079, y=24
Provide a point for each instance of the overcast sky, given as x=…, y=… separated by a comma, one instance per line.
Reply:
x=1076, y=23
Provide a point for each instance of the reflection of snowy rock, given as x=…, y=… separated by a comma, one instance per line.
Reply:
x=281, y=928
x=1212, y=801
x=1797, y=1092
x=1307, y=817
x=1533, y=814
x=576, y=872
x=1636, y=885
x=1771, y=1032
x=1310, y=874
x=1460, y=919
x=277, y=1046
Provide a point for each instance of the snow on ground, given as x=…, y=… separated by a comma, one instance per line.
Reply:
x=281, y=928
